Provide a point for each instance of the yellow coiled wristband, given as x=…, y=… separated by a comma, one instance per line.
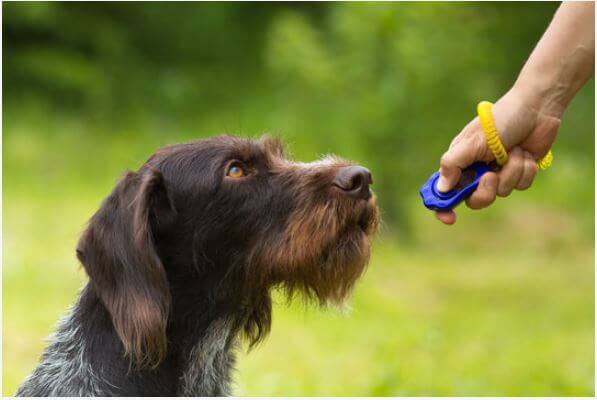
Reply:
x=493, y=138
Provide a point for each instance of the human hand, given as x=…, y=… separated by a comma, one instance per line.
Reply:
x=526, y=131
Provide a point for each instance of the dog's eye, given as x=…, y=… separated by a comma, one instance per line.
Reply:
x=235, y=170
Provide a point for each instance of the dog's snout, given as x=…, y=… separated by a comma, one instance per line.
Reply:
x=354, y=181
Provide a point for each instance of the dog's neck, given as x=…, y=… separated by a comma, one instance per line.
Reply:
x=85, y=357
x=210, y=362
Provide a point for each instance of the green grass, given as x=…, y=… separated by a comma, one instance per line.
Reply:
x=511, y=315
x=499, y=304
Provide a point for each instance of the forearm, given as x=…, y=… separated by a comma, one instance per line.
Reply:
x=562, y=61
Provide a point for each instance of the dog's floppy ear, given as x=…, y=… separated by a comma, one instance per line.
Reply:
x=118, y=252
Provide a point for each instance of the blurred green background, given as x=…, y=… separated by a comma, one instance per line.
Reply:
x=502, y=303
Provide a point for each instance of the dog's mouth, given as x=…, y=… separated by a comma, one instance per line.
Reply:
x=364, y=223
x=368, y=217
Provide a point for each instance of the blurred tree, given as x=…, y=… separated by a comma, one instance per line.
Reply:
x=387, y=84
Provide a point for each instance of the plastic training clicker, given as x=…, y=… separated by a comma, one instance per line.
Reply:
x=433, y=199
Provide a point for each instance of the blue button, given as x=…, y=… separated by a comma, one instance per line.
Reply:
x=433, y=199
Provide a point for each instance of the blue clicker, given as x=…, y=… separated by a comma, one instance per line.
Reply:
x=433, y=199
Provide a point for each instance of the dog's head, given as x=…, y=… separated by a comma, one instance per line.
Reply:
x=230, y=216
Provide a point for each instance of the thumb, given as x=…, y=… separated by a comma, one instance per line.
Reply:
x=466, y=148
x=458, y=157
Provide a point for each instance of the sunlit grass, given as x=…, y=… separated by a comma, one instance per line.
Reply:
x=499, y=304
x=493, y=321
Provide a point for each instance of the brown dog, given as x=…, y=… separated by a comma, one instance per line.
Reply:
x=182, y=257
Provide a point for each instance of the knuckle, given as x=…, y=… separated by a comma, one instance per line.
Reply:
x=446, y=160
x=487, y=199
x=480, y=200
x=471, y=204
x=504, y=191
x=534, y=169
x=488, y=195
x=517, y=165
x=525, y=184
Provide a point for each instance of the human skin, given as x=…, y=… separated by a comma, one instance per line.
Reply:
x=528, y=116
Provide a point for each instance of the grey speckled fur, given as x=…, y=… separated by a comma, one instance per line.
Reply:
x=211, y=362
x=65, y=370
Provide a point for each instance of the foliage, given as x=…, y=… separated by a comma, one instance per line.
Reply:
x=364, y=80
x=501, y=303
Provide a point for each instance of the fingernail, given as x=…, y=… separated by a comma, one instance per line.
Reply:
x=442, y=184
x=491, y=184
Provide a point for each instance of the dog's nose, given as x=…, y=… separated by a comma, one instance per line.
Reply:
x=354, y=181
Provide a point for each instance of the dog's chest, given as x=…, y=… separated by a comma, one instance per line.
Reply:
x=210, y=362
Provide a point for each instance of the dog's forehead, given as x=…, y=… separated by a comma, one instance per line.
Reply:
x=225, y=146
x=266, y=148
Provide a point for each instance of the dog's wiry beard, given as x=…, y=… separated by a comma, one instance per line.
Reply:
x=315, y=243
x=322, y=251
x=326, y=252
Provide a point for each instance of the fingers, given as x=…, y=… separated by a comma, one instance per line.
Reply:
x=518, y=173
x=511, y=173
x=485, y=193
x=530, y=170
x=447, y=217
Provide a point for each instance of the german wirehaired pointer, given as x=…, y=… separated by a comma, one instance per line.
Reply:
x=182, y=257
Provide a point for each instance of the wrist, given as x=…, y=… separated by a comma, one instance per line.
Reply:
x=541, y=93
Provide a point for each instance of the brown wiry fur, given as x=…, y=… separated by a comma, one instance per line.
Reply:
x=322, y=250
x=126, y=271
x=316, y=255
